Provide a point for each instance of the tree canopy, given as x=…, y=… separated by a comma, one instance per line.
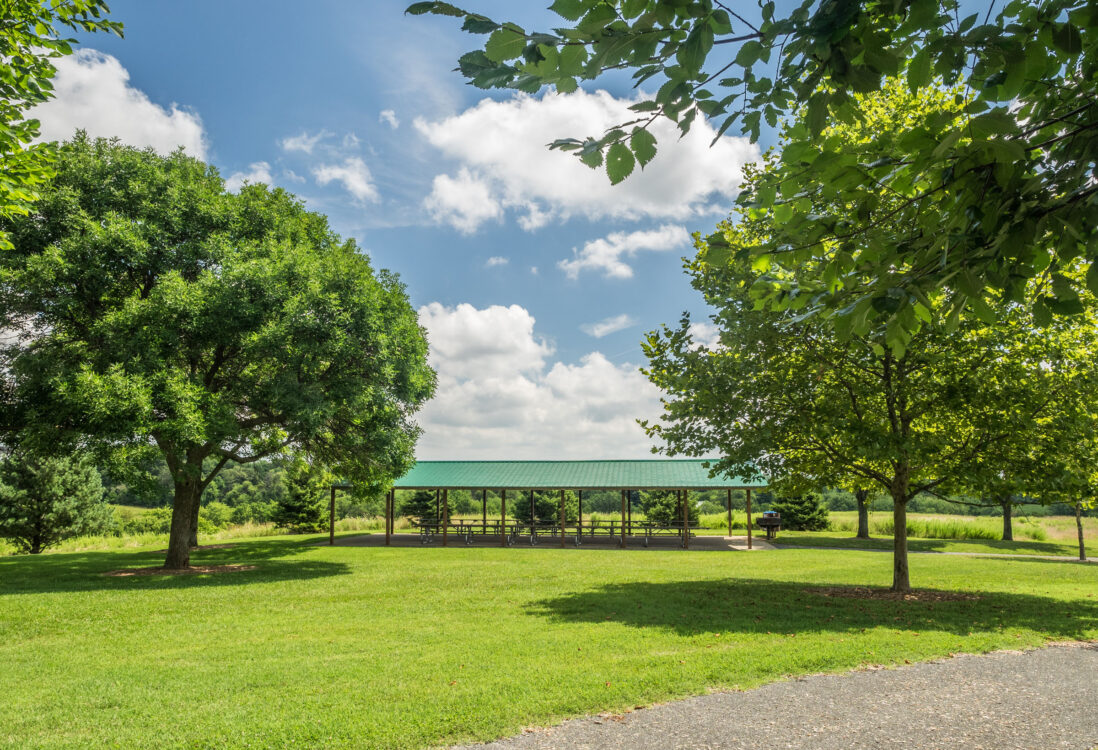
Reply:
x=1000, y=189
x=156, y=309
x=29, y=41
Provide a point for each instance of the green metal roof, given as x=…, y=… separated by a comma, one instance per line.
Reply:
x=667, y=474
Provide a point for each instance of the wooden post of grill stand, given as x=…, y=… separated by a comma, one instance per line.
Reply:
x=445, y=515
x=749, y=545
x=623, y=519
x=332, y=517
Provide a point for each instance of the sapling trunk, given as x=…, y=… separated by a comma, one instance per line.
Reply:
x=1079, y=528
x=862, y=496
x=1008, y=520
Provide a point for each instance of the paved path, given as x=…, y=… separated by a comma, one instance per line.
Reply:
x=1037, y=700
x=702, y=542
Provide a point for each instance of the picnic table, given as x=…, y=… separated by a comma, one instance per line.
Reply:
x=469, y=529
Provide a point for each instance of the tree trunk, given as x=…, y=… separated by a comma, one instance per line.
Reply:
x=195, y=508
x=901, y=577
x=187, y=495
x=1079, y=527
x=862, y=496
x=1008, y=520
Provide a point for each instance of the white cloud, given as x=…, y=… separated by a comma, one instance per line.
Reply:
x=606, y=326
x=304, y=142
x=93, y=93
x=259, y=171
x=292, y=176
x=389, y=117
x=504, y=143
x=705, y=335
x=500, y=396
x=605, y=254
x=351, y=141
x=464, y=202
x=496, y=260
x=353, y=174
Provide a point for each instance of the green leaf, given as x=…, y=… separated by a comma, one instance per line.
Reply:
x=619, y=163
x=816, y=118
x=918, y=70
x=572, y=10
x=692, y=53
x=643, y=144
x=1092, y=277
x=419, y=9
x=1067, y=39
x=1042, y=316
x=597, y=18
x=505, y=44
x=749, y=54
x=566, y=85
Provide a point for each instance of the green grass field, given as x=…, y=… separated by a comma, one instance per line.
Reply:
x=414, y=647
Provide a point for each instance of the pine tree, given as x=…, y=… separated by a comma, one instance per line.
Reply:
x=44, y=501
x=422, y=508
x=663, y=507
x=301, y=509
x=802, y=513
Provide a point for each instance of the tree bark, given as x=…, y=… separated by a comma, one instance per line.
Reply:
x=187, y=494
x=1008, y=519
x=195, y=508
x=1079, y=527
x=862, y=496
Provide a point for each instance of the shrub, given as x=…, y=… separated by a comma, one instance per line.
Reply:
x=44, y=501
x=153, y=521
x=803, y=513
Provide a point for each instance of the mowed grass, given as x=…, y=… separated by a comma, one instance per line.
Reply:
x=414, y=647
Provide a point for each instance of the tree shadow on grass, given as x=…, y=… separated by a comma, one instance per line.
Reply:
x=884, y=544
x=745, y=605
x=84, y=571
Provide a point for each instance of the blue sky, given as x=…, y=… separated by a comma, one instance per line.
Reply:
x=535, y=278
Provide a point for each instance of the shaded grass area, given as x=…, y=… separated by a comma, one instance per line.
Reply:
x=399, y=647
x=846, y=540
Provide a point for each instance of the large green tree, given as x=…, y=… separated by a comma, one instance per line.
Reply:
x=29, y=42
x=999, y=192
x=159, y=312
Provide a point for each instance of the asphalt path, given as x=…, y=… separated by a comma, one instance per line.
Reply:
x=1010, y=700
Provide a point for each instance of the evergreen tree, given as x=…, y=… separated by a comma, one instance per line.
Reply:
x=546, y=507
x=422, y=508
x=44, y=501
x=802, y=513
x=301, y=509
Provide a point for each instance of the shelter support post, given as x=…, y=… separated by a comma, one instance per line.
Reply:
x=332, y=517
x=730, y=513
x=623, y=519
x=438, y=506
x=579, y=498
x=445, y=515
x=629, y=507
x=503, y=518
x=686, y=519
x=562, y=518
x=749, y=544
x=484, y=509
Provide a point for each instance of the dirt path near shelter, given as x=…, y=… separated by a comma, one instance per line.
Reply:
x=1010, y=700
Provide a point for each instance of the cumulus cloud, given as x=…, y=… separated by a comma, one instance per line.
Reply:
x=496, y=260
x=606, y=326
x=501, y=396
x=259, y=171
x=353, y=174
x=464, y=201
x=304, y=142
x=503, y=142
x=93, y=93
x=389, y=117
x=605, y=254
x=705, y=335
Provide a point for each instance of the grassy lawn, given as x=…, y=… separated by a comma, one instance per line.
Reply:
x=847, y=539
x=375, y=647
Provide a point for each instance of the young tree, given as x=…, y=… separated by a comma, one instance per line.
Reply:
x=162, y=313
x=802, y=513
x=665, y=507
x=44, y=501
x=546, y=507
x=997, y=190
x=29, y=42
x=303, y=506
x=423, y=507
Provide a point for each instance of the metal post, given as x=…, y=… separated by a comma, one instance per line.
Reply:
x=623, y=519
x=503, y=518
x=729, y=512
x=332, y=518
x=445, y=514
x=749, y=545
x=686, y=518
